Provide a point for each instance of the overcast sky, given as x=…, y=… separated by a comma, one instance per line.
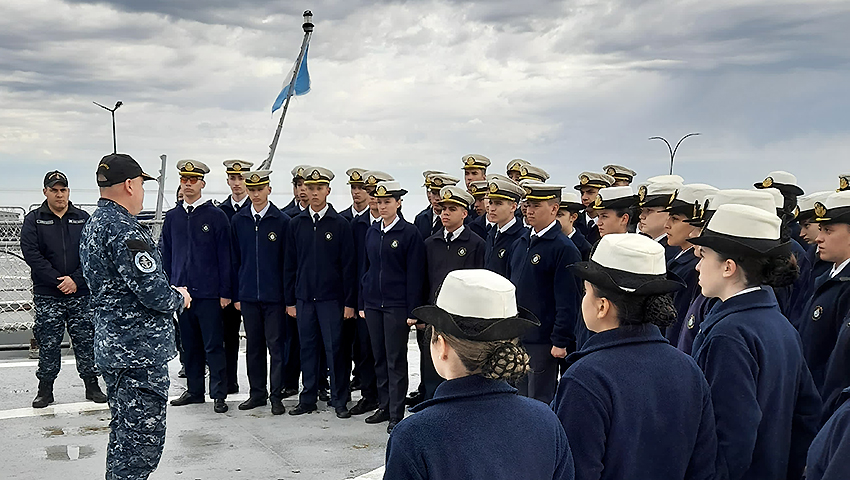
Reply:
x=409, y=86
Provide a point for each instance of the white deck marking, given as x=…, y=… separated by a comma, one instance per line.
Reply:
x=377, y=474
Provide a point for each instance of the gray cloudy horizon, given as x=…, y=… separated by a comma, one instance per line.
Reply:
x=414, y=85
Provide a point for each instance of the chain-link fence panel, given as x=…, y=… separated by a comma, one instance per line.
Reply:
x=16, y=312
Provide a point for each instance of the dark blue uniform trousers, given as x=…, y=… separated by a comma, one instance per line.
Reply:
x=52, y=316
x=430, y=379
x=389, y=331
x=231, y=320
x=292, y=366
x=201, y=332
x=321, y=324
x=364, y=361
x=542, y=380
x=265, y=331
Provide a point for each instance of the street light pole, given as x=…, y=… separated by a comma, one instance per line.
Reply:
x=112, y=110
x=673, y=150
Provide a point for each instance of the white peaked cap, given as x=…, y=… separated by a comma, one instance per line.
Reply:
x=755, y=198
x=632, y=253
x=477, y=293
x=745, y=221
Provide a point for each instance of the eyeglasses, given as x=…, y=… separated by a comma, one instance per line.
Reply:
x=190, y=180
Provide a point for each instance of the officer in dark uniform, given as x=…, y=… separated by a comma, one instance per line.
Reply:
x=259, y=239
x=502, y=200
x=50, y=243
x=428, y=220
x=623, y=177
x=785, y=183
x=195, y=245
x=320, y=278
x=474, y=168
x=570, y=208
x=538, y=269
x=809, y=233
x=616, y=209
x=133, y=306
x=589, y=184
x=479, y=225
x=231, y=317
x=653, y=198
x=827, y=458
x=531, y=172
x=514, y=168
x=299, y=193
x=455, y=247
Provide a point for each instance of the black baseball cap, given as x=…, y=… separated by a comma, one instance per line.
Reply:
x=54, y=177
x=117, y=167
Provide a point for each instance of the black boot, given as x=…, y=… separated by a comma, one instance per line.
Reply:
x=45, y=394
x=93, y=391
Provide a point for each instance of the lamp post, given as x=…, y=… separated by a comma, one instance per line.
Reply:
x=671, y=149
x=112, y=111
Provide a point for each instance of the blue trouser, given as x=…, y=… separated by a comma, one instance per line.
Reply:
x=365, y=361
x=389, y=331
x=231, y=320
x=137, y=399
x=542, y=380
x=265, y=330
x=292, y=366
x=201, y=332
x=52, y=316
x=430, y=379
x=321, y=323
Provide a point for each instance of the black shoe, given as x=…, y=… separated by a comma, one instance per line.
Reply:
x=324, y=395
x=93, y=391
x=278, y=408
x=363, y=406
x=301, y=409
x=44, y=397
x=379, y=416
x=391, y=426
x=355, y=385
x=342, y=412
x=186, y=399
x=252, y=402
x=289, y=392
x=415, y=398
x=220, y=406
x=182, y=372
x=232, y=389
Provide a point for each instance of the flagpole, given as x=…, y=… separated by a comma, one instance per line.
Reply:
x=308, y=32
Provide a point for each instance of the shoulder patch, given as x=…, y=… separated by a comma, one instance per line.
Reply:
x=144, y=262
x=137, y=245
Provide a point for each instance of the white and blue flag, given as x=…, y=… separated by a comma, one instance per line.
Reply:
x=302, y=83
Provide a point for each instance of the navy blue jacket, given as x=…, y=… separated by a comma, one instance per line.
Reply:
x=837, y=376
x=589, y=230
x=829, y=456
x=685, y=268
x=359, y=226
x=670, y=251
x=258, y=254
x=479, y=226
x=822, y=320
x=693, y=319
x=394, y=269
x=498, y=250
x=793, y=298
x=765, y=402
x=635, y=407
x=230, y=210
x=196, y=250
x=465, y=251
x=544, y=286
x=51, y=248
x=320, y=264
x=424, y=222
x=584, y=247
x=292, y=209
x=479, y=429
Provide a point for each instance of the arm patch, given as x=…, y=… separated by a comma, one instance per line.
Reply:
x=137, y=246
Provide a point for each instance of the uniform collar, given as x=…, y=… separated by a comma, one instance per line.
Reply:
x=456, y=234
x=759, y=298
x=321, y=212
x=465, y=387
x=624, y=335
x=107, y=203
x=683, y=253
x=838, y=268
x=71, y=212
x=508, y=225
x=390, y=226
x=261, y=213
x=355, y=213
x=200, y=201
x=542, y=233
x=236, y=204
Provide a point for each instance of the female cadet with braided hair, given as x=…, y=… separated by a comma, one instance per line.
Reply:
x=632, y=405
x=476, y=426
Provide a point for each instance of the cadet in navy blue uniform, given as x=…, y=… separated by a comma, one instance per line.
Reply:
x=824, y=315
x=428, y=220
x=766, y=405
x=621, y=411
x=195, y=245
x=50, y=243
x=299, y=193
x=479, y=225
x=837, y=373
x=514, y=168
x=476, y=427
x=589, y=184
x=502, y=200
x=615, y=209
x=320, y=275
x=623, y=177
x=474, y=168
x=260, y=232
x=538, y=269
x=809, y=233
x=392, y=286
x=653, y=198
x=568, y=213
x=231, y=317
x=829, y=455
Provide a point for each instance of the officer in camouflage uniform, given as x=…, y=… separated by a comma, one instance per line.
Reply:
x=134, y=305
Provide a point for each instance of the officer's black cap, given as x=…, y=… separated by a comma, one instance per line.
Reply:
x=54, y=177
x=117, y=167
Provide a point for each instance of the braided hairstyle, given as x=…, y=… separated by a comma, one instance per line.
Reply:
x=639, y=309
x=498, y=360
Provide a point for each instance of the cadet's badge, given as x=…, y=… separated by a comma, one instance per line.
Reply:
x=272, y=236
x=371, y=180
x=642, y=193
x=254, y=178
x=315, y=175
x=188, y=166
x=528, y=190
x=144, y=262
x=394, y=244
x=300, y=172
x=236, y=167
x=513, y=167
x=672, y=197
x=611, y=171
x=767, y=183
x=437, y=181
x=523, y=171
x=584, y=179
x=696, y=210
x=328, y=236
x=205, y=228
x=843, y=184
x=691, y=321
x=470, y=161
x=820, y=210
x=494, y=188
x=461, y=252
x=796, y=211
x=817, y=313
x=447, y=195
x=535, y=259
x=355, y=175
x=382, y=190
x=598, y=202
x=473, y=189
x=502, y=253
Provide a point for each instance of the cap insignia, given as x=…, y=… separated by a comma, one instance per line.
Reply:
x=437, y=181
x=494, y=188
x=473, y=189
x=843, y=184
x=528, y=190
x=382, y=190
x=470, y=161
x=236, y=167
x=255, y=178
x=598, y=201
x=371, y=180
x=611, y=171
x=315, y=175
x=767, y=183
x=188, y=166
x=584, y=179
x=642, y=193
x=672, y=197
x=523, y=171
x=820, y=210
x=355, y=175
x=447, y=195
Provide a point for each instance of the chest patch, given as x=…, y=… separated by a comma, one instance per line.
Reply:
x=272, y=236
x=44, y=222
x=817, y=313
x=329, y=236
x=144, y=262
x=205, y=228
x=76, y=221
x=461, y=252
x=394, y=244
x=535, y=259
x=502, y=253
x=691, y=321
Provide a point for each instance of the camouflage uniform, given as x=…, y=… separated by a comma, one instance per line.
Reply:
x=133, y=335
x=52, y=314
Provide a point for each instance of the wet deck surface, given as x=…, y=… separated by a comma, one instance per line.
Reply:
x=68, y=439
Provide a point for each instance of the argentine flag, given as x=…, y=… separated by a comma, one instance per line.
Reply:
x=302, y=83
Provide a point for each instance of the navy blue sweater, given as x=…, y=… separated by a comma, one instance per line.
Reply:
x=829, y=456
x=258, y=254
x=479, y=429
x=424, y=222
x=51, y=248
x=394, y=269
x=584, y=247
x=635, y=407
x=685, y=267
x=465, y=251
x=765, y=402
x=227, y=207
x=498, y=250
x=196, y=250
x=837, y=376
x=479, y=226
x=544, y=286
x=320, y=264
